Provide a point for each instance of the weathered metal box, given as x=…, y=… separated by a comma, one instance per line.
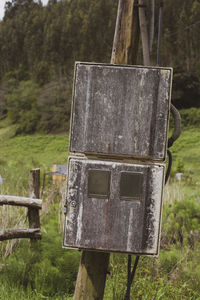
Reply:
x=120, y=110
x=113, y=206
x=118, y=138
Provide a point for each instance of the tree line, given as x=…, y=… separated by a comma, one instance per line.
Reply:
x=39, y=45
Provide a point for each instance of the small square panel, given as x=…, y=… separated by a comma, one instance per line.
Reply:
x=131, y=186
x=98, y=183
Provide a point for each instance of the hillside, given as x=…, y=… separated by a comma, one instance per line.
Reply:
x=39, y=45
x=38, y=48
x=174, y=275
x=44, y=150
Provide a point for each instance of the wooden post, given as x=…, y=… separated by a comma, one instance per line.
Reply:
x=144, y=33
x=126, y=38
x=91, y=278
x=33, y=213
x=93, y=268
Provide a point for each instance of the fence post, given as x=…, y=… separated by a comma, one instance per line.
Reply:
x=33, y=213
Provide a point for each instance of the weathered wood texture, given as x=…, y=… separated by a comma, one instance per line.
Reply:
x=92, y=276
x=123, y=223
x=20, y=201
x=33, y=204
x=121, y=110
x=144, y=33
x=33, y=213
x=34, y=184
x=19, y=233
x=126, y=38
x=152, y=24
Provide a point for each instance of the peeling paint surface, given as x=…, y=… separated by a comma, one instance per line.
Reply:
x=130, y=230
x=121, y=110
x=113, y=224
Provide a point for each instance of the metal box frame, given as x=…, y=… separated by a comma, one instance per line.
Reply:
x=112, y=222
x=118, y=136
x=120, y=110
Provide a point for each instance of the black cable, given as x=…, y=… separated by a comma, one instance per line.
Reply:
x=128, y=290
x=177, y=125
x=169, y=166
x=131, y=275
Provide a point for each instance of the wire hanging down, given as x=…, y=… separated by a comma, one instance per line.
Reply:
x=130, y=275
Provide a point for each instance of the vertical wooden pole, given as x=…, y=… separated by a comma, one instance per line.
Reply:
x=91, y=278
x=152, y=24
x=144, y=32
x=34, y=186
x=93, y=267
x=126, y=38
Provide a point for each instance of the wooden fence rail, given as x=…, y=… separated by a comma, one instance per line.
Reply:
x=14, y=233
x=20, y=201
x=33, y=204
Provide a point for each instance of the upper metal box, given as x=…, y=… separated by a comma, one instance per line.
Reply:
x=120, y=110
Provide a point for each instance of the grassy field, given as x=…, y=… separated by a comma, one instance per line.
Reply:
x=187, y=148
x=20, y=154
x=49, y=272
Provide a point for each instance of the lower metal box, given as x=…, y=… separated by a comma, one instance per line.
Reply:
x=113, y=206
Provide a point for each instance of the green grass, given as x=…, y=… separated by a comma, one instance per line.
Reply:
x=174, y=275
x=9, y=292
x=187, y=147
x=52, y=273
x=18, y=155
x=45, y=149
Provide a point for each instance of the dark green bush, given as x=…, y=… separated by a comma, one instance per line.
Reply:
x=54, y=105
x=186, y=90
x=22, y=106
x=190, y=117
x=33, y=108
x=46, y=268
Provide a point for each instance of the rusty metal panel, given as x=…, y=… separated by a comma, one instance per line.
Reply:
x=120, y=110
x=116, y=217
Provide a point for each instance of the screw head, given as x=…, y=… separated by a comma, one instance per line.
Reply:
x=73, y=203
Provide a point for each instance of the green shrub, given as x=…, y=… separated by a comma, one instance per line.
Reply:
x=171, y=276
x=46, y=269
x=22, y=106
x=190, y=117
x=54, y=105
x=181, y=223
x=168, y=260
x=34, y=108
x=186, y=90
x=179, y=165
